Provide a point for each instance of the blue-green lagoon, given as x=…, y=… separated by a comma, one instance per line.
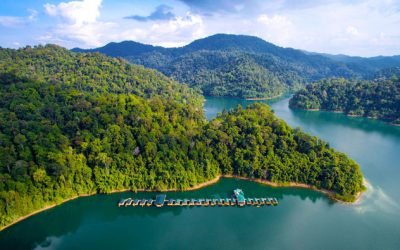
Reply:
x=304, y=219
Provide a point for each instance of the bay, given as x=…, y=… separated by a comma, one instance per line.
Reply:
x=304, y=219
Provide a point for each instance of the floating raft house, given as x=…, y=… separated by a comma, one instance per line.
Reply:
x=238, y=199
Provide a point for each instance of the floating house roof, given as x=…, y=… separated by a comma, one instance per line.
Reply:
x=160, y=199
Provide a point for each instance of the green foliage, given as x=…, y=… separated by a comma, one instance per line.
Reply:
x=391, y=73
x=88, y=73
x=237, y=66
x=220, y=73
x=259, y=145
x=247, y=66
x=75, y=124
x=375, y=99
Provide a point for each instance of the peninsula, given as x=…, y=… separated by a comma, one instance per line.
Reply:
x=378, y=99
x=73, y=124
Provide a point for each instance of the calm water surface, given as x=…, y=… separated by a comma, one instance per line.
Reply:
x=304, y=219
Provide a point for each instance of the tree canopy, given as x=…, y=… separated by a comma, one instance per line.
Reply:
x=244, y=66
x=75, y=124
x=378, y=99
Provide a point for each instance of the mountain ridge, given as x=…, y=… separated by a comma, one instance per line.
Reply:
x=244, y=66
x=337, y=57
x=77, y=124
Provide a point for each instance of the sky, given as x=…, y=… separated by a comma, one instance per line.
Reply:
x=352, y=27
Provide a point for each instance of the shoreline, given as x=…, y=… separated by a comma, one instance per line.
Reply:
x=262, y=98
x=44, y=209
x=329, y=194
x=348, y=115
x=198, y=186
x=243, y=98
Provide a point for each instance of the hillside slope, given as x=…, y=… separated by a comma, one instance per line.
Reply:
x=378, y=99
x=243, y=66
x=73, y=124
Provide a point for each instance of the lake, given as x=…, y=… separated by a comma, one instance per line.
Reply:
x=304, y=219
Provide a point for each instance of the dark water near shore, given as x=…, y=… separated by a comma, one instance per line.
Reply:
x=304, y=219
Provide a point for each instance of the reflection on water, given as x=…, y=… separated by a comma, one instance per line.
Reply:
x=337, y=121
x=52, y=228
x=50, y=243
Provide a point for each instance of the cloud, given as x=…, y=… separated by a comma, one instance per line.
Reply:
x=78, y=22
x=179, y=31
x=210, y=7
x=357, y=27
x=349, y=27
x=11, y=21
x=276, y=28
x=33, y=14
x=275, y=20
x=172, y=33
x=352, y=31
x=15, y=21
x=162, y=12
x=76, y=12
x=247, y=7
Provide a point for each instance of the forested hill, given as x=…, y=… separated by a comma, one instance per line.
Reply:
x=392, y=73
x=378, y=99
x=92, y=73
x=74, y=124
x=367, y=66
x=243, y=66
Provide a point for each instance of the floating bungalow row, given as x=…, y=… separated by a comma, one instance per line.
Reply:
x=238, y=199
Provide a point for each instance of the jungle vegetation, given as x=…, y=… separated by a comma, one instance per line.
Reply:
x=244, y=66
x=379, y=99
x=73, y=124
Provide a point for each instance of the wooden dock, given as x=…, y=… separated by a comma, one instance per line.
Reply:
x=237, y=199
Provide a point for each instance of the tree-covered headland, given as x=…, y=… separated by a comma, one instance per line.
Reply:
x=73, y=124
x=379, y=99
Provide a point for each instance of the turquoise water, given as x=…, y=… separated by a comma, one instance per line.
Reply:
x=304, y=219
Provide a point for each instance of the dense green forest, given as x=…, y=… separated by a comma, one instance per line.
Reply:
x=75, y=124
x=378, y=99
x=244, y=66
x=89, y=73
x=254, y=143
x=221, y=74
x=391, y=73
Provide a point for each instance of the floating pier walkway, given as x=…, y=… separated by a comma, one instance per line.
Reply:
x=238, y=199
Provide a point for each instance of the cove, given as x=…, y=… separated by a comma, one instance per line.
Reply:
x=304, y=219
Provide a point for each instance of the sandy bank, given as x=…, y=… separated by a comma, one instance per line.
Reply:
x=330, y=194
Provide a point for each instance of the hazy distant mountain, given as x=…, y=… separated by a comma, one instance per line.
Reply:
x=392, y=73
x=366, y=65
x=123, y=49
x=244, y=66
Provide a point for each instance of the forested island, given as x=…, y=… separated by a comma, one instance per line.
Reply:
x=379, y=99
x=80, y=123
